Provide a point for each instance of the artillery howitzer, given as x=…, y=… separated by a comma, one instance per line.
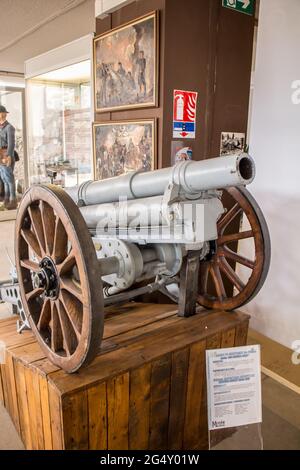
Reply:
x=110, y=241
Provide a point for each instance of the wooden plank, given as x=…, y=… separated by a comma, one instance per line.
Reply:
x=194, y=395
x=32, y=411
x=151, y=346
x=276, y=361
x=28, y=353
x=75, y=421
x=118, y=412
x=228, y=338
x=14, y=411
x=35, y=411
x=97, y=417
x=241, y=334
x=213, y=342
x=139, y=408
x=38, y=410
x=4, y=388
x=134, y=316
x=137, y=334
x=203, y=427
x=8, y=320
x=179, y=375
x=12, y=338
x=56, y=417
x=1, y=390
x=45, y=367
x=23, y=405
x=159, y=403
x=44, y=395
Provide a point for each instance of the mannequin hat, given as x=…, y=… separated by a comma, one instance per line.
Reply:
x=3, y=109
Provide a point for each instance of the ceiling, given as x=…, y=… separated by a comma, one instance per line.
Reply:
x=23, y=17
x=32, y=27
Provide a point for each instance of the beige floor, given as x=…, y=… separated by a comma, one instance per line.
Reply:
x=6, y=252
x=9, y=439
x=281, y=406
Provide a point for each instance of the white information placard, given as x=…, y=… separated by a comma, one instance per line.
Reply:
x=233, y=387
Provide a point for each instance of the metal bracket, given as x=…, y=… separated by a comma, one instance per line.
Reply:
x=10, y=293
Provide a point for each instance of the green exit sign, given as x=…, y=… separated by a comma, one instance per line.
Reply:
x=243, y=6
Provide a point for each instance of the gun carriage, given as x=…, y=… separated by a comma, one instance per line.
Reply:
x=110, y=241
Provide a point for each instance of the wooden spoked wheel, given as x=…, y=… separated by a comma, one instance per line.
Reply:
x=59, y=277
x=229, y=278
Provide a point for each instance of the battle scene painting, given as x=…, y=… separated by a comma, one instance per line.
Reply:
x=125, y=66
x=121, y=147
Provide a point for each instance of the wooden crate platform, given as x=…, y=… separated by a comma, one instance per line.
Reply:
x=146, y=389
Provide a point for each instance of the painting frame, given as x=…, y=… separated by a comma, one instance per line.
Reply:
x=154, y=102
x=152, y=121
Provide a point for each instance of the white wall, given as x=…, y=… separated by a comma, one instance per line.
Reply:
x=275, y=145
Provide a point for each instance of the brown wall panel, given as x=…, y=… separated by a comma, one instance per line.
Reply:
x=187, y=66
x=203, y=47
x=233, y=74
x=120, y=17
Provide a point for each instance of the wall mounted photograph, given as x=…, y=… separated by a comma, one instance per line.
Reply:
x=120, y=147
x=232, y=143
x=126, y=66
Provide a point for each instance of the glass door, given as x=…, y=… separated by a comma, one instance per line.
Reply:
x=59, y=126
x=14, y=101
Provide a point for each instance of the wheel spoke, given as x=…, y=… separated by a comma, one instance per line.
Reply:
x=73, y=309
x=238, y=258
x=68, y=264
x=231, y=274
x=30, y=265
x=204, y=270
x=56, y=333
x=235, y=237
x=60, y=247
x=69, y=334
x=37, y=225
x=45, y=316
x=218, y=281
x=34, y=293
x=68, y=285
x=48, y=220
x=228, y=217
x=31, y=241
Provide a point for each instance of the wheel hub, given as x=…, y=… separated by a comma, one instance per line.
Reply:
x=47, y=278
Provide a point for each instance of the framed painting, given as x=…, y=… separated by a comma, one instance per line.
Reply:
x=123, y=146
x=126, y=66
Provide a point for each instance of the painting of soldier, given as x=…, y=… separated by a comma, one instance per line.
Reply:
x=232, y=143
x=125, y=66
x=121, y=147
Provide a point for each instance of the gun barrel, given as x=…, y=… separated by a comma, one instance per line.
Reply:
x=192, y=176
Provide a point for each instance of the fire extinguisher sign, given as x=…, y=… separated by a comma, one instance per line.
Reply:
x=184, y=114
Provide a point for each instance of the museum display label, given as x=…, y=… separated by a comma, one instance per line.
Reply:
x=233, y=387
